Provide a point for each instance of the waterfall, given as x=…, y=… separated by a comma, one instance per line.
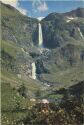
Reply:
x=80, y=33
x=33, y=70
x=40, y=36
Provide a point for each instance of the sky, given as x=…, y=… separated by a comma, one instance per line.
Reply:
x=41, y=8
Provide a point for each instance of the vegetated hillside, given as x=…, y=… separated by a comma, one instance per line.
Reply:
x=17, y=42
x=68, y=110
x=63, y=28
x=58, y=67
x=18, y=37
x=62, y=64
x=18, y=28
x=79, y=12
x=65, y=38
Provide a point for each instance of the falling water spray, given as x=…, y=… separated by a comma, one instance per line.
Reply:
x=33, y=70
x=40, y=36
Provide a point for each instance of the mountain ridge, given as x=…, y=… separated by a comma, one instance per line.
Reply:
x=65, y=37
x=59, y=69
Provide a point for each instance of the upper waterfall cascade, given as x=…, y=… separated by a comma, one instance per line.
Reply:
x=40, y=36
x=33, y=70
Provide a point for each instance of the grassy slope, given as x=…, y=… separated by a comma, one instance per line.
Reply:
x=66, y=78
x=69, y=75
x=11, y=100
x=13, y=106
x=66, y=75
x=16, y=27
x=10, y=48
x=9, y=76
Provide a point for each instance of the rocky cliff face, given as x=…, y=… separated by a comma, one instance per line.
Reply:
x=63, y=28
x=57, y=67
x=65, y=38
x=19, y=35
x=63, y=43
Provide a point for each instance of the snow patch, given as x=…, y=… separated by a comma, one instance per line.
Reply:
x=40, y=18
x=70, y=19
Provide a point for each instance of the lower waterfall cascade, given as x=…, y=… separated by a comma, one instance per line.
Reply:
x=80, y=33
x=33, y=70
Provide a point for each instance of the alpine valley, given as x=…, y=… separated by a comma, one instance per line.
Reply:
x=42, y=59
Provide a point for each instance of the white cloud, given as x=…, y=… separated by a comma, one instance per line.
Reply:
x=39, y=5
x=11, y=2
x=14, y=3
x=42, y=7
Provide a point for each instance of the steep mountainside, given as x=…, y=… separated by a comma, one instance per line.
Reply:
x=18, y=39
x=63, y=28
x=63, y=52
x=57, y=66
x=65, y=38
x=76, y=13
x=17, y=27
